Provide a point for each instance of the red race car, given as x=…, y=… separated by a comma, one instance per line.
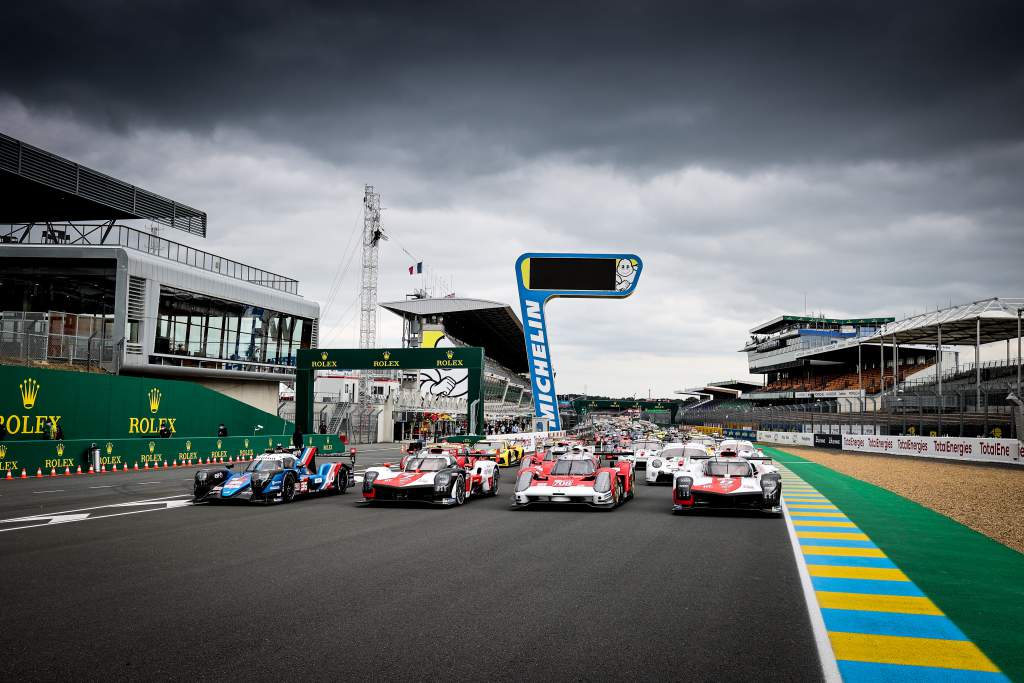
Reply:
x=575, y=477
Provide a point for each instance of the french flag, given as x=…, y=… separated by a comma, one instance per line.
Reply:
x=418, y=268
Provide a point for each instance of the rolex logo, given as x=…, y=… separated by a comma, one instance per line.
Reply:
x=247, y=443
x=450, y=354
x=387, y=355
x=323, y=355
x=60, y=449
x=154, y=399
x=3, y=451
x=188, y=445
x=270, y=442
x=110, y=448
x=152, y=446
x=29, y=393
x=219, y=443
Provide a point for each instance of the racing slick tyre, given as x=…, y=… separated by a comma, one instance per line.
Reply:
x=619, y=498
x=341, y=481
x=497, y=480
x=288, y=489
x=459, y=491
x=197, y=493
x=632, y=486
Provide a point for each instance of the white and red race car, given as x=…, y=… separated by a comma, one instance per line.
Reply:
x=432, y=476
x=728, y=481
x=672, y=458
x=576, y=478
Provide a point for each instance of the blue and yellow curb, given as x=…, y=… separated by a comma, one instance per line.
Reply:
x=881, y=626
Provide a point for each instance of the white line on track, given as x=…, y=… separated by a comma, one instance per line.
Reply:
x=105, y=486
x=827, y=657
x=53, y=491
x=66, y=516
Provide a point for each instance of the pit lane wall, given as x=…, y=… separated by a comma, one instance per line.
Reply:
x=786, y=438
x=99, y=406
x=44, y=456
x=1005, y=451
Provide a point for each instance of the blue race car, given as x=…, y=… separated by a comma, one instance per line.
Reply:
x=281, y=474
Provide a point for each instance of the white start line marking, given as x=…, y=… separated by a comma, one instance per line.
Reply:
x=94, y=513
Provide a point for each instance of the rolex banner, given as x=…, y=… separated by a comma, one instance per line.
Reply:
x=118, y=454
x=98, y=406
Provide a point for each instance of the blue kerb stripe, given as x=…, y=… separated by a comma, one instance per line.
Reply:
x=836, y=542
x=890, y=624
x=837, y=561
x=855, y=672
x=866, y=586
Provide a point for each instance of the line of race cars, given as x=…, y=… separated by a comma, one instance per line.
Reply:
x=704, y=473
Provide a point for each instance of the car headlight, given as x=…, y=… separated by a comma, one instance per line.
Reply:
x=201, y=475
x=683, y=486
x=442, y=480
x=656, y=463
x=524, y=481
x=603, y=482
x=370, y=476
x=770, y=484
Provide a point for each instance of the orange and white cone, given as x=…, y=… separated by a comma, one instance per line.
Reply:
x=67, y=471
x=79, y=470
x=126, y=466
x=39, y=473
x=175, y=465
x=92, y=470
x=136, y=467
x=24, y=474
x=53, y=471
x=9, y=475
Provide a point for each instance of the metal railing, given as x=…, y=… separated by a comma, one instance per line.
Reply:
x=116, y=235
x=58, y=339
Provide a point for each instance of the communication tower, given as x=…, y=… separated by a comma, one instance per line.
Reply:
x=373, y=235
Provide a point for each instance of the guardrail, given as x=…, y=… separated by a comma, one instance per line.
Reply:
x=60, y=457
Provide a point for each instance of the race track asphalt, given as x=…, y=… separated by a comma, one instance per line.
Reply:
x=325, y=589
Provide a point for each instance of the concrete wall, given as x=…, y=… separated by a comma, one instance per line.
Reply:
x=256, y=393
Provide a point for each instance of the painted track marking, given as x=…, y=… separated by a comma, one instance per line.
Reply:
x=880, y=625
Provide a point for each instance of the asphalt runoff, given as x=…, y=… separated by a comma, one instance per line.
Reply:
x=325, y=589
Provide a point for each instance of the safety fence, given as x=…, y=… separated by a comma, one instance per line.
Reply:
x=31, y=458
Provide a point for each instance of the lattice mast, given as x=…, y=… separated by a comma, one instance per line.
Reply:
x=373, y=234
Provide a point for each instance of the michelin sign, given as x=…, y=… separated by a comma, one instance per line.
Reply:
x=545, y=276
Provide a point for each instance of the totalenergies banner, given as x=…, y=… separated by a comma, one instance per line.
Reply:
x=1006, y=451
x=90, y=405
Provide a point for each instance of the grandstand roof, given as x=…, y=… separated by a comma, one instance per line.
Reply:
x=41, y=187
x=784, y=321
x=476, y=322
x=735, y=384
x=959, y=324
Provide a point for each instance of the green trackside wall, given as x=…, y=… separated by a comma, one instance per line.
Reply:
x=96, y=406
x=32, y=456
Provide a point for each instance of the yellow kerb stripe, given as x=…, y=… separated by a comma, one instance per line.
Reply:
x=817, y=514
x=837, y=535
x=946, y=654
x=874, y=573
x=902, y=604
x=841, y=552
x=818, y=522
x=813, y=506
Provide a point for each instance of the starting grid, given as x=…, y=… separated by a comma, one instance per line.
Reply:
x=880, y=625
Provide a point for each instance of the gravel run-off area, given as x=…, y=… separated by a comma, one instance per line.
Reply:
x=988, y=499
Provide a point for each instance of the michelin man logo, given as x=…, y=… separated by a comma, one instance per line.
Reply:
x=625, y=273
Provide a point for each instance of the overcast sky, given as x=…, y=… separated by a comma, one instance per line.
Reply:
x=866, y=156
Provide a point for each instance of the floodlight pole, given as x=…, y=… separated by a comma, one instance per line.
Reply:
x=977, y=363
x=938, y=359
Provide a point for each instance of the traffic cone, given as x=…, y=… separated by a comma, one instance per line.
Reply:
x=136, y=467
x=9, y=476
x=92, y=470
x=24, y=474
x=126, y=466
x=175, y=464
x=165, y=464
x=39, y=473
x=53, y=471
x=67, y=471
x=79, y=470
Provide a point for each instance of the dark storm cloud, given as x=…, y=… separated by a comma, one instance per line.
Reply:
x=468, y=87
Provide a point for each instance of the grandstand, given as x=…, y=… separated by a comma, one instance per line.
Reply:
x=880, y=375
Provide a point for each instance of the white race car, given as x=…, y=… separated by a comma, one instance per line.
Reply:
x=642, y=452
x=673, y=457
x=728, y=481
